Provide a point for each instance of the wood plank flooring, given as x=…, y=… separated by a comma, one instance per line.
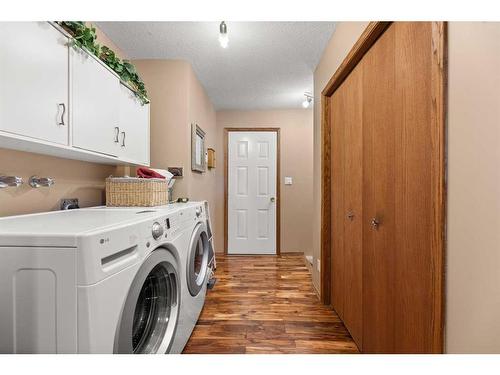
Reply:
x=266, y=304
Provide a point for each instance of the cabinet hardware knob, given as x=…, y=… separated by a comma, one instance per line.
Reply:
x=63, y=106
x=375, y=223
x=7, y=181
x=123, y=139
x=350, y=215
x=36, y=182
x=117, y=133
x=272, y=199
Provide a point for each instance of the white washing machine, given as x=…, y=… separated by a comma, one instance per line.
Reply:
x=197, y=262
x=93, y=281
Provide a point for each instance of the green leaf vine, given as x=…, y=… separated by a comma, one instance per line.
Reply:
x=86, y=37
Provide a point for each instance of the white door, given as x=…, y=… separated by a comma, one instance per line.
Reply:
x=252, y=167
x=94, y=105
x=34, y=81
x=134, y=128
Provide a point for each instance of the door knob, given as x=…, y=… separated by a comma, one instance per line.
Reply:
x=375, y=223
x=272, y=199
x=350, y=215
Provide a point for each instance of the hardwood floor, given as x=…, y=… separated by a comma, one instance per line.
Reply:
x=266, y=304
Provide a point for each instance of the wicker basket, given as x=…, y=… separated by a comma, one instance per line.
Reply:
x=131, y=191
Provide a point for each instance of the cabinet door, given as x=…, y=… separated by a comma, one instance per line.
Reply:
x=134, y=128
x=34, y=81
x=379, y=246
x=94, y=105
x=38, y=313
x=353, y=190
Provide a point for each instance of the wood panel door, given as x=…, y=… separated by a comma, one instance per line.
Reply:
x=415, y=155
x=378, y=195
x=399, y=274
x=337, y=121
x=347, y=187
x=353, y=208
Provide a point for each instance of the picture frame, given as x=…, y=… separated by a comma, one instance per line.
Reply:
x=198, y=150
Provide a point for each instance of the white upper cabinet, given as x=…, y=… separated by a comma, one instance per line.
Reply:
x=62, y=101
x=134, y=128
x=34, y=81
x=95, y=97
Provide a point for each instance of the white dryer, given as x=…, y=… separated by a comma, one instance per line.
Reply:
x=197, y=261
x=91, y=281
x=199, y=266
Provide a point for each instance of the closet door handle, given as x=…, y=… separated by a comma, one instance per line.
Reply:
x=375, y=223
x=63, y=106
x=117, y=133
x=123, y=139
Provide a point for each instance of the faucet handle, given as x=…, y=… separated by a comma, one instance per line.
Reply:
x=6, y=181
x=37, y=182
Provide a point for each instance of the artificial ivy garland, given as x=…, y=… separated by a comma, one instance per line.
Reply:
x=85, y=37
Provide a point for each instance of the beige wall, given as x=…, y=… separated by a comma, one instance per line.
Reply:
x=74, y=179
x=178, y=100
x=296, y=161
x=202, y=112
x=167, y=82
x=473, y=251
x=344, y=37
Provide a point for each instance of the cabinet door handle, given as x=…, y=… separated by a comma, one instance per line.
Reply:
x=375, y=223
x=123, y=139
x=63, y=106
x=117, y=133
x=350, y=215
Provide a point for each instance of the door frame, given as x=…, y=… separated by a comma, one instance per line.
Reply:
x=278, y=179
x=438, y=113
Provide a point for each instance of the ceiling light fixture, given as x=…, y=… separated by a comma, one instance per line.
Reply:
x=308, y=100
x=223, y=38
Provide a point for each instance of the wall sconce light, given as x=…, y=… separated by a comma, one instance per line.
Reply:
x=308, y=100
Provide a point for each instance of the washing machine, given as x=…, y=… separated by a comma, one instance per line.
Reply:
x=93, y=281
x=196, y=255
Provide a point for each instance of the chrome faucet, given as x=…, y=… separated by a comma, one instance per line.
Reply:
x=37, y=182
x=7, y=181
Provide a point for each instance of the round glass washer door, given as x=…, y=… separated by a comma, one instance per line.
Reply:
x=149, y=317
x=198, y=257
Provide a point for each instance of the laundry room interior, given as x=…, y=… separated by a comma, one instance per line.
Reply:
x=249, y=186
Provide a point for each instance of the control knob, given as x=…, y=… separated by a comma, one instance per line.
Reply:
x=157, y=230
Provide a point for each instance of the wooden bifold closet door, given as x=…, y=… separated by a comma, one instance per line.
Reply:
x=347, y=202
x=386, y=281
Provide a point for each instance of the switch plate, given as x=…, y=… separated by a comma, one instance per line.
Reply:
x=288, y=181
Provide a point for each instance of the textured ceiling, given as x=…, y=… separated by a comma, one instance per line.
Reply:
x=267, y=64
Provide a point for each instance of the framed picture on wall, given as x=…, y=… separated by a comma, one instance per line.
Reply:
x=198, y=163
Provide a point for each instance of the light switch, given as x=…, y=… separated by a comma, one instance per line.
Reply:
x=288, y=180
